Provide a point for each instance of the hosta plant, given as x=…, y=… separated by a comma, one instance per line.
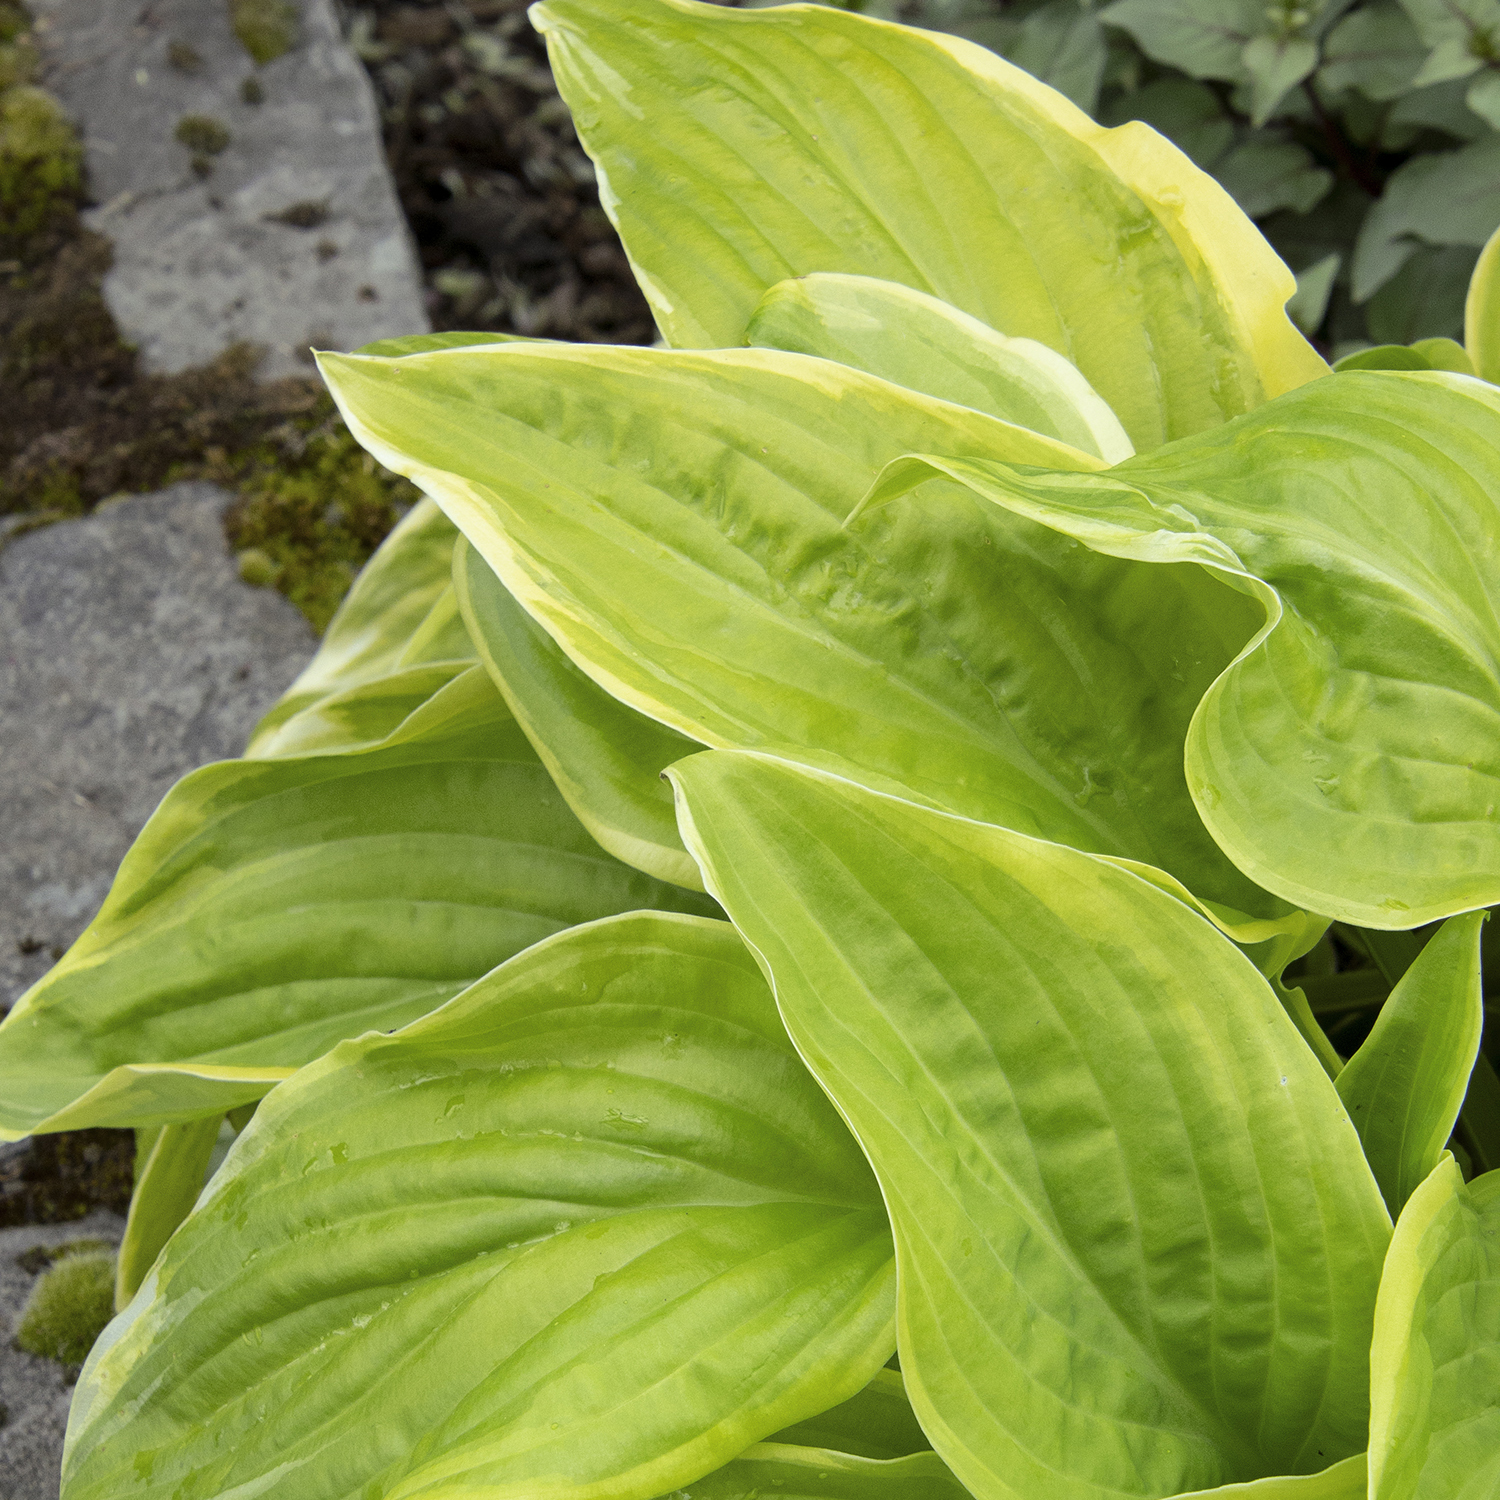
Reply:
x=988, y=602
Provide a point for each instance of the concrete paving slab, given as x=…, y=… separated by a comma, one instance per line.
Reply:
x=35, y=1392
x=130, y=652
x=294, y=236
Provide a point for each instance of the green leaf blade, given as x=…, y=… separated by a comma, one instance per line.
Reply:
x=605, y=758
x=739, y=148
x=1405, y=1086
x=676, y=522
x=1092, y=1151
x=273, y=907
x=914, y=340
x=1435, y=1364
x=1347, y=760
x=603, y=1165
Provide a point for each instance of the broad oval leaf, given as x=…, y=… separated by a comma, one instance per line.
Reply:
x=1137, y=1238
x=589, y=1231
x=1349, y=761
x=1405, y=1086
x=604, y=757
x=1482, y=312
x=398, y=613
x=915, y=340
x=674, y=521
x=736, y=148
x=1435, y=1363
x=271, y=908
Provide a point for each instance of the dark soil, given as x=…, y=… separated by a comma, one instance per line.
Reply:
x=50, y=1179
x=498, y=193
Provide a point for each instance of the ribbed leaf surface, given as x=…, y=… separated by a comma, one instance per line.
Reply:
x=1138, y=1241
x=736, y=148
x=1435, y=1377
x=590, y=1231
x=1405, y=1086
x=271, y=908
x=675, y=522
x=605, y=758
x=1350, y=760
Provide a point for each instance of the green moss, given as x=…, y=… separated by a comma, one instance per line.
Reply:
x=18, y=62
x=266, y=28
x=69, y=1307
x=13, y=20
x=313, y=506
x=40, y=159
x=202, y=134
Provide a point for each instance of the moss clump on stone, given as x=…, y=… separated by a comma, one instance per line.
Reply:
x=40, y=159
x=18, y=62
x=266, y=28
x=202, y=134
x=69, y=1307
x=313, y=506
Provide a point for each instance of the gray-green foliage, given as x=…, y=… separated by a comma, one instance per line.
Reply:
x=1363, y=137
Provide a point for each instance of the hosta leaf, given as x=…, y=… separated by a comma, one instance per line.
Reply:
x=914, y=340
x=1345, y=1480
x=1482, y=312
x=399, y=613
x=1350, y=759
x=1435, y=1363
x=877, y=1423
x=867, y=1448
x=1137, y=1239
x=272, y=907
x=605, y=759
x=674, y=521
x=425, y=343
x=737, y=148
x=588, y=1231
x=796, y=1473
x=1404, y=1087
x=166, y=1187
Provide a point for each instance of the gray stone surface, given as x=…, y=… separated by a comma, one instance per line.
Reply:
x=35, y=1392
x=203, y=262
x=130, y=652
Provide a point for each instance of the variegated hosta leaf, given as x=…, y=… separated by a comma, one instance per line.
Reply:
x=605, y=758
x=1405, y=1086
x=795, y=1473
x=674, y=521
x=1435, y=1363
x=400, y=615
x=1350, y=760
x=736, y=148
x=167, y=1184
x=586, y=1233
x=272, y=907
x=1482, y=312
x=917, y=341
x=1137, y=1238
